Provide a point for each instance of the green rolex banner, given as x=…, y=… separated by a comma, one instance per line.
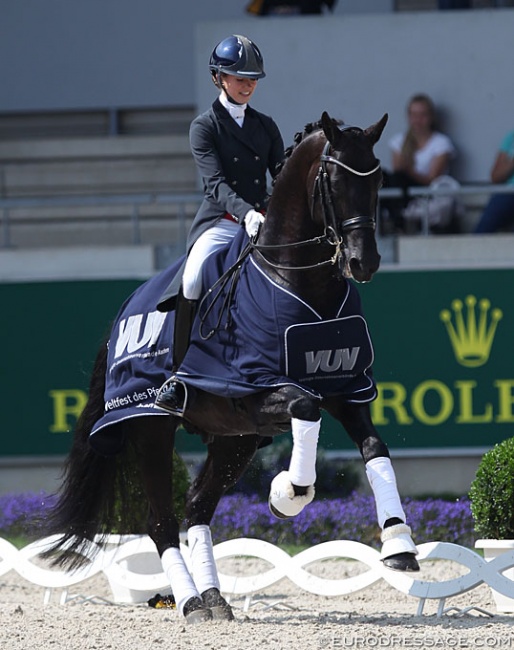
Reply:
x=444, y=359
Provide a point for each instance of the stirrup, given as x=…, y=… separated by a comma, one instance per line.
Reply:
x=167, y=398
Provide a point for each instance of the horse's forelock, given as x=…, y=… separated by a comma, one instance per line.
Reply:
x=300, y=136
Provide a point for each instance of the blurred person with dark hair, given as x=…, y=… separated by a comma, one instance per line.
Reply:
x=454, y=4
x=289, y=7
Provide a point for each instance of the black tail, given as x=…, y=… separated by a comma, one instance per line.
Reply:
x=89, y=500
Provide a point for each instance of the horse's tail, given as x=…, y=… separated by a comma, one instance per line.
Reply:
x=88, y=502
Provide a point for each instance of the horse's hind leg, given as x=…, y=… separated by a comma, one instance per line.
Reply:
x=154, y=441
x=398, y=549
x=227, y=459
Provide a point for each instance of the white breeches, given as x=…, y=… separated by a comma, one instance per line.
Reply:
x=210, y=241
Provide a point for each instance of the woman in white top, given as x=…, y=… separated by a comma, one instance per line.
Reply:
x=419, y=156
x=421, y=153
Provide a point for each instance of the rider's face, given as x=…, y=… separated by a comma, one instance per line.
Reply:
x=238, y=88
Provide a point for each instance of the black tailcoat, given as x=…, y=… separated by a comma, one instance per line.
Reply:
x=232, y=162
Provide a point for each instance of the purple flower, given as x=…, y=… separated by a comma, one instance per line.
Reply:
x=239, y=515
x=352, y=518
x=19, y=513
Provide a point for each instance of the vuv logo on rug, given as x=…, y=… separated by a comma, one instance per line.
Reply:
x=138, y=331
x=331, y=360
x=471, y=330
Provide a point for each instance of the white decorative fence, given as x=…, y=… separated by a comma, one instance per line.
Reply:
x=132, y=566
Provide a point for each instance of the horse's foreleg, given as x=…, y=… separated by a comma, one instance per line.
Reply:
x=227, y=459
x=398, y=549
x=292, y=490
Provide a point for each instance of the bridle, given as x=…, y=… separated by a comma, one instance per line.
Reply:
x=322, y=189
x=322, y=185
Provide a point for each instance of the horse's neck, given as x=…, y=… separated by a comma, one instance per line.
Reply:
x=297, y=261
x=321, y=291
x=317, y=287
x=293, y=262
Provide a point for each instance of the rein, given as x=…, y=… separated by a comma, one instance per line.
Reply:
x=230, y=275
x=323, y=189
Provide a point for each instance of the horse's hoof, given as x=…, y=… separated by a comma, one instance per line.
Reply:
x=287, y=500
x=196, y=612
x=275, y=512
x=401, y=562
x=221, y=610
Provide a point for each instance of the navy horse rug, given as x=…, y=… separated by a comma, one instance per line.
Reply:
x=250, y=334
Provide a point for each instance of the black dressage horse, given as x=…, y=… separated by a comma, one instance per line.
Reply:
x=318, y=233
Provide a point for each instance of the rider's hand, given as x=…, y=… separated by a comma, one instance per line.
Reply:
x=252, y=221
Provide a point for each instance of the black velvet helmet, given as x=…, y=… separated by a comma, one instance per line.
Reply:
x=238, y=56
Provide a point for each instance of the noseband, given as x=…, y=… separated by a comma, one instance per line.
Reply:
x=323, y=189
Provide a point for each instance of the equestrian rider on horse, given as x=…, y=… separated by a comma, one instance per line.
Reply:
x=234, y=146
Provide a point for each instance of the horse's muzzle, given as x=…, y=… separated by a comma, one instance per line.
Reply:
x=362, y=271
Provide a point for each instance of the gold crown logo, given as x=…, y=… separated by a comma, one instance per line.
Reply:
x=471, y=335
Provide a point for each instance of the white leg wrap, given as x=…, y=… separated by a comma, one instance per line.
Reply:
x=203, y=565
x=283, y=499
x=382, y=479
x=179, y=577
x=397, y=539
x=302, y=468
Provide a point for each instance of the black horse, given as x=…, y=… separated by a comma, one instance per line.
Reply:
x=319, y=232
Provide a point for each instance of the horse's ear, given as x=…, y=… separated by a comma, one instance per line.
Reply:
x=375, y=130
x=329, y=126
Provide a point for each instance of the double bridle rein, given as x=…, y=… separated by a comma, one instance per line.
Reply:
x=323, y=190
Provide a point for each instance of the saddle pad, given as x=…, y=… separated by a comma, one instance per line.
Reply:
x=138, y=360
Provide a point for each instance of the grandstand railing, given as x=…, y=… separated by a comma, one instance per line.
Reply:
x=180, y=203
x=135, y=203
x=464, y=192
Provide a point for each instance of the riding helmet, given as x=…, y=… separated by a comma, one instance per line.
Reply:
x=237, y=55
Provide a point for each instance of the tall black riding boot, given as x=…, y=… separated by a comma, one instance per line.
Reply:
x=172, y=394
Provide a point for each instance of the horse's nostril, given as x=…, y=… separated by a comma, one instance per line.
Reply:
x=364, y=271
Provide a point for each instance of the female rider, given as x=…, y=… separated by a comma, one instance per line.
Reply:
x=234, y=146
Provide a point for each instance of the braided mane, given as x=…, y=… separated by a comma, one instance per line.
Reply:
x=298, y=138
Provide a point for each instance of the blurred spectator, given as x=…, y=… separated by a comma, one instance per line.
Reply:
x=288, y=7
x=454, y=4
x=420, y=155
x=499, y=211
